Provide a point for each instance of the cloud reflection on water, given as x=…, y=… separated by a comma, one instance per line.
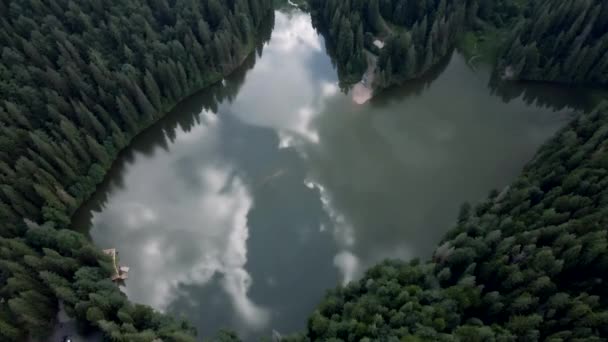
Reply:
x=282, y=82
x=195, y=230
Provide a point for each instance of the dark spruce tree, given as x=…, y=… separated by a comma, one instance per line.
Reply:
x=561, y=41
x=78, y=80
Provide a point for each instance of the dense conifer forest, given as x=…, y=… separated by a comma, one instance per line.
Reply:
x=417, y=34
x=548, y=40
x=564, y=41
x=79, y=79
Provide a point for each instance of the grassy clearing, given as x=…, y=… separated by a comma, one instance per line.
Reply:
x=481, y=46
x=394, y=29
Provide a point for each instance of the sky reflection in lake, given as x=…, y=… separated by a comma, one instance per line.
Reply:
x=184, y=219
x=244, y=205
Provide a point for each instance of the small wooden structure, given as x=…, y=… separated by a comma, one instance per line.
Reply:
x=379, y=44
x=120, y=272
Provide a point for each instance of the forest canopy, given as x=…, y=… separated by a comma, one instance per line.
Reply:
x=565, y=41
x=550, y=40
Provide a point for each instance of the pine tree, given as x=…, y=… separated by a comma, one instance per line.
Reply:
x=153, y=90
x=98, y=151
x=373, y=16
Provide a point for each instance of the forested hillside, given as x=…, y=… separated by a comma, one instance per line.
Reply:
x=549, y=40
x=78, y=80
x=562, y=41
x=417, y=34
x=528, y=264
x=344, y=25
x=426, y=33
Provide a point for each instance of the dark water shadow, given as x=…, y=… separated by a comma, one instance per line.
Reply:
x=551, y=95
x=413, y=87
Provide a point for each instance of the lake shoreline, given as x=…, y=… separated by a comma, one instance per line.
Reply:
x=214, y=82
x=245, y=151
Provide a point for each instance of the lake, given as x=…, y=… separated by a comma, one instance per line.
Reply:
x=248, y=201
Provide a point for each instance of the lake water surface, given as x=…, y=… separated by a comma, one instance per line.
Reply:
x=252, y=198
